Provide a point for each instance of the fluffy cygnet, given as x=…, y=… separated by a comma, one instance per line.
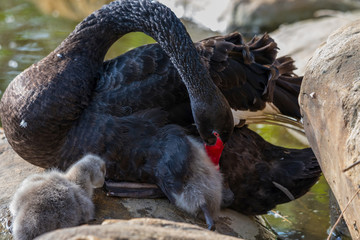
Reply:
x=202, y=189
x=53, y=199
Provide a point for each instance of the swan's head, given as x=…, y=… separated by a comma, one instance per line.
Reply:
x=212, y=114
x=88, y=172
x=97, y=170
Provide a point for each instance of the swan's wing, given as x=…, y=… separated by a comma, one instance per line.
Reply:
x=249, y=75
x=141, y=78
x=287, y=88
x=262, y=175
x=246, y=73
x=136, y=148
x=245, y=83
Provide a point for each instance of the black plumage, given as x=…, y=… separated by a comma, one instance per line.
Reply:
x=262, y=175
x=246, y=74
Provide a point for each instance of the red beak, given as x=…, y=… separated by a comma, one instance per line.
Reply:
x=214, y=151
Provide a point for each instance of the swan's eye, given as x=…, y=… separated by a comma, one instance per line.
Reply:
x=216, y=134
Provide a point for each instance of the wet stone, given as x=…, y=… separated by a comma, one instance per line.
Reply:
x=141, y=228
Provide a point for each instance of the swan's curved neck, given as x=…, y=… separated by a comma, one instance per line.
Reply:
x=93, y=36
x=44, y=102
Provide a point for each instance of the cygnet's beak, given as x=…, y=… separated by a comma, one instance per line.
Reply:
x=209, y=220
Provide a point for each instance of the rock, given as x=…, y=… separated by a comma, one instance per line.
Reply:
x=258, y=16
x=199, y=11
x=229, y=222
x=13, y=170
x=139, y=229
x=341, y=228
x=300, y=40
x=330, y=100
x=293, y=41
x=227, y=16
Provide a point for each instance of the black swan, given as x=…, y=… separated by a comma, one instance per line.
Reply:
x=53, y=199
x=124, y=110
x=55, y=111
x=59, y=92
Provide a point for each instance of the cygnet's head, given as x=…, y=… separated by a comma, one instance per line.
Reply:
x=203, y=188
x=89, y=172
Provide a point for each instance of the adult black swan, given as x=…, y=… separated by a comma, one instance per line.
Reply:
x=77, y=65
x=71, y=103
x=52, y=113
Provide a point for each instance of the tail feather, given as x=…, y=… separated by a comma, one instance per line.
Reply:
x=264, y=49
x=239, y=69
x=287, y=88
x=250, y=76
x=286, y=66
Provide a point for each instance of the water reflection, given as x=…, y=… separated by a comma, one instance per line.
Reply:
x=27, y=35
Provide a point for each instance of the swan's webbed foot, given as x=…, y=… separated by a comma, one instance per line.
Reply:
x=208, y=218
x=132, y=190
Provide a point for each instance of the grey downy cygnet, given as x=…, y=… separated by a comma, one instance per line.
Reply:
x=54, y=199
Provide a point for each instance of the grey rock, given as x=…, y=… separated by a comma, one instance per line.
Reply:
x=266, y=15
x=300, y=40
x=330, y=100
x=13, y=170
x=137, y=229
x=255, y=16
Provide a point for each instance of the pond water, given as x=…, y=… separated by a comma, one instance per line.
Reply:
x=306, y=217
x=27, y=34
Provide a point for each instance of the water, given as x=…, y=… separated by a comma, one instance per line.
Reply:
x=27, y=35
x=308, y=216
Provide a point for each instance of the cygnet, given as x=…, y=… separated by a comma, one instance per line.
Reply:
x=53, y=199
